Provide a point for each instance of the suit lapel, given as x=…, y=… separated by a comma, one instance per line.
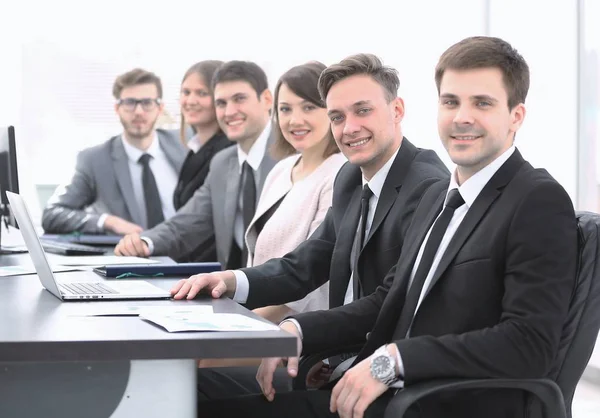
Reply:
x=266, y=164
x=342, y=254
x=123, y=176
x=481, y=205
x=392, y=184
x=277, y=189
x=174, y=158
x=231, y=198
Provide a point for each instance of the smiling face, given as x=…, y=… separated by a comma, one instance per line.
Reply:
x=365, y=125
x=196, y=101
x=474, y=121
x=303, y=124
x=242, y=115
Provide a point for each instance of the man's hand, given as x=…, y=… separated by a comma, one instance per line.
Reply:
x=132, y=245
x=120, y=226
x=267, y=367
x=216, y=284
x=357, y=389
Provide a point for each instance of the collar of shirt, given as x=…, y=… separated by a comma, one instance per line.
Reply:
x=471, y=188
x=376, y=182
x=194, y=144
x=134, y=153
x=257, y=152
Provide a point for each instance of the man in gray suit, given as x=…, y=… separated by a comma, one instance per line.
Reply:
x=221, y=209
x=126, y=184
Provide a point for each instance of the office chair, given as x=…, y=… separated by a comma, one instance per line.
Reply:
x=580, y=331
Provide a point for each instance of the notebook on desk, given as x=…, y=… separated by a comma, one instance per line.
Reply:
x=85, y=290
x=154, y=270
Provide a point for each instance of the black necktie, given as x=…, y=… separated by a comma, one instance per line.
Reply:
x=360, y=239
x=453, y=202
x=248, y=194
x=248, y=205
x=154, y=212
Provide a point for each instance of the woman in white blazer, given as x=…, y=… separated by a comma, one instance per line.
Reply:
x=298, y=190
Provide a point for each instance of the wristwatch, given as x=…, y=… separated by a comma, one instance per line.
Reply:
x=383, y=366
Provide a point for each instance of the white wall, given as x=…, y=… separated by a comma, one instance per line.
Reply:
x=69, y=63
x=546, y=35
x=167, y=38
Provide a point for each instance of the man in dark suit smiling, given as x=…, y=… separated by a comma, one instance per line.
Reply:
x=483, y=290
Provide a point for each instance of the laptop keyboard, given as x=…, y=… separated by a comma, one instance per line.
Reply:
x=83, y=288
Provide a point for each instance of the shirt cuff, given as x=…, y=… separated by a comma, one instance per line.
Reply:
x=149, y=242
x=101, y=220
x=296, y=324
x=242, y=286
x=399, y=384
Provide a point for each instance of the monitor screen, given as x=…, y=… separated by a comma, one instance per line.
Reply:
x=9, y=177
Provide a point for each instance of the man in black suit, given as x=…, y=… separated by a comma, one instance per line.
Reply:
x=366, y=114
x=483, y=290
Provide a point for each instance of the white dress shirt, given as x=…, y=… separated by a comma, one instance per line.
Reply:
x=164, y=174
x=376, y=184
x=254, y=158
x=469, y=191
x=194, y=144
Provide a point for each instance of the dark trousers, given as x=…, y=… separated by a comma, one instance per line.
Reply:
x=229, y=382
x=300, y=404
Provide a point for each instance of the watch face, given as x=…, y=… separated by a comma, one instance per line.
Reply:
x=380, y=365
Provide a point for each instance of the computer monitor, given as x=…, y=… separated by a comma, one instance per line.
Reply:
x=9, y=176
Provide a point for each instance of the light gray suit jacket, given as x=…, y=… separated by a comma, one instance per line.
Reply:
x=210, y=213
x=102, y=184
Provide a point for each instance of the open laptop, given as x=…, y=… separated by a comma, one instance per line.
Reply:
x=103, y=290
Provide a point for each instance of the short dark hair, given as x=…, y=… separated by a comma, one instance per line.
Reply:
x=367, y=64
x=302, y=80
x=206, y=70
x=485, y=52
x=136, y=77
x=242, y=71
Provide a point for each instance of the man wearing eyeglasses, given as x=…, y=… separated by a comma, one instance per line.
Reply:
x=126, y=184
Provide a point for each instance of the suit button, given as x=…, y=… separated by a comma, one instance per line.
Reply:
x=367, y=335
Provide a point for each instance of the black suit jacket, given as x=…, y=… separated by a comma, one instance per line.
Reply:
x=191, y=177
x=195, y=168
x=326, y=254
x=497, y=301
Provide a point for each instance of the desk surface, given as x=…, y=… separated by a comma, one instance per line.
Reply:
x=36, y=326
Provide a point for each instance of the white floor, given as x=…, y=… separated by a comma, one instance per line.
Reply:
x=586, y=403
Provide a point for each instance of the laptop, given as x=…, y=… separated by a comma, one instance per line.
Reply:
x=103, y=290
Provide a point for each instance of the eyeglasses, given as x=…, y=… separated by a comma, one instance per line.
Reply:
x=130, y=104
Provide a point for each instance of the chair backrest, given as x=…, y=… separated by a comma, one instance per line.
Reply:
x=583, y=322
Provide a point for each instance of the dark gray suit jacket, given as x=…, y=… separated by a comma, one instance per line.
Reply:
x=210, y=213
x=102, y=184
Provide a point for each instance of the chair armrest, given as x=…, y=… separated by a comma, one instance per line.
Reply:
x=546, y=390
x=307, y=362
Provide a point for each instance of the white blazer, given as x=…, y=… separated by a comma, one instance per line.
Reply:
x=301, y=211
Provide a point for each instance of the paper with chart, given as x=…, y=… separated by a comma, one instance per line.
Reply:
x=194, y=321
x=123, y=309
